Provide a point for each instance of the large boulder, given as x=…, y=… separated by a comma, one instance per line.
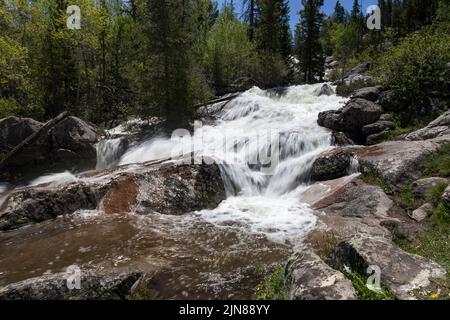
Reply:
x=400, y=271
x=331, y=165
x=377, y=138
x=378, y=127
x=398, y=161
x=59, y=286
x=166, y=187
x=312, y=279
x=67, y=145
x=73, y=141
x=369, y=93
x=437, y=128
x=14, y=130
x=350, y=119
x=358, y=113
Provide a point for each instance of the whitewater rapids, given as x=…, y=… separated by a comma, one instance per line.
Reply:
x=263, y=196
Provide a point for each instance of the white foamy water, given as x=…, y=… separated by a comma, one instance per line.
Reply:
x=265, y=144
x=54, y=178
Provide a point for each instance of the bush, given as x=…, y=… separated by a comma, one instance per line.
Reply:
x=439, y=163
x=344, y=90
x=418, y=67
x=273, y=287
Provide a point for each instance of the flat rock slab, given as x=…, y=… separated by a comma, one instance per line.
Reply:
x=167, y=188
x=400, y=271
x=310, y=278
x=398, y=161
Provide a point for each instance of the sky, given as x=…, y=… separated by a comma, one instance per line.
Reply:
x=295, y=6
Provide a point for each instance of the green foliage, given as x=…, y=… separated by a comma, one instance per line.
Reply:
x=273, y=287
x=434, y=195
x=374, y=180
x=345, y=40
x=418, y=67
x=438, y=164
x=309, y=47
x=442, y=213
x=228, y=55
x=407, y=198
x=359, y=282
x=345, y=90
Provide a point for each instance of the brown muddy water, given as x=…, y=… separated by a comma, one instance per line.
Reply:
x=189, y=258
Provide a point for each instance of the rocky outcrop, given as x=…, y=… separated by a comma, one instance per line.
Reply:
x=331, y=165
x=398, y=161
x=309, y=278
x=14, y=130
x=377, y=127
x=356, y=114
x=421, y=187
x=68, y=144
x=110, y=286
x=400, y=271
x=437, y=128
x=369, y=93
x=356, y=74
x=165, y=187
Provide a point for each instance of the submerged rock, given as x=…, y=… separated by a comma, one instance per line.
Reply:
x=165, y=187
x=325, y=90
x=400, y=271
x=310, y=278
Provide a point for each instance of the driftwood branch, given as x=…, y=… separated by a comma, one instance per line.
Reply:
x=231, y=97
x=47, y=126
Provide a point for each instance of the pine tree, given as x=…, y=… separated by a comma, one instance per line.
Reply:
x=311, y=52
x=168, y=61
x=251, y=16
x=339, y=13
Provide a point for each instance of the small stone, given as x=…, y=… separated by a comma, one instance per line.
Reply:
x=421, y=213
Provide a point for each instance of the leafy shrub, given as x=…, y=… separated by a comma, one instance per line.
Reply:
x=418, y=67
x=344, y=90
x=439, y=163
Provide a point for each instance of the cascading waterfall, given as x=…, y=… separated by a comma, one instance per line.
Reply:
x=263, y=196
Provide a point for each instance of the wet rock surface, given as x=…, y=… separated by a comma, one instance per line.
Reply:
x=167, y=188
x=62, y=286
x=331, y=165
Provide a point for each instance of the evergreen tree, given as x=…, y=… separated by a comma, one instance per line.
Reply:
x=251, y=16
x=339, y=14
x=311, y=52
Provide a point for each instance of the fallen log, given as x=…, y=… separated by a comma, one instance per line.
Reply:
x=223, y=99
x=47, y=126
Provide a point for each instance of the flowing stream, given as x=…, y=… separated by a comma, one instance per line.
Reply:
x=264, y=142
